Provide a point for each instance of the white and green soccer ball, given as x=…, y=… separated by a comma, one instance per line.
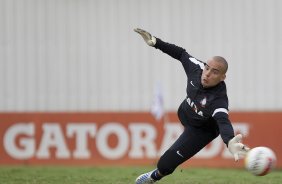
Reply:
x=260, y=161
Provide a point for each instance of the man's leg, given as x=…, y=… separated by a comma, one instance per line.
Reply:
x=190, y=142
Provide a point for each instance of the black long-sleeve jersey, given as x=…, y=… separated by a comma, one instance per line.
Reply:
x=202, y=106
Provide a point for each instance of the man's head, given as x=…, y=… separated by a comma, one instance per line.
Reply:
x=214, y=71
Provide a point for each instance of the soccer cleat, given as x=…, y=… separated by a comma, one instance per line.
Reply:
x=145, y=178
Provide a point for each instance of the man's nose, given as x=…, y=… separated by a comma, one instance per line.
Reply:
x=208, y=73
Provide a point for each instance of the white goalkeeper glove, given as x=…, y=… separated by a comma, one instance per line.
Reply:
x=149, y=39
x=236, y=148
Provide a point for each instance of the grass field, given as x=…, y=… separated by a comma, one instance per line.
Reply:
x=127, y=175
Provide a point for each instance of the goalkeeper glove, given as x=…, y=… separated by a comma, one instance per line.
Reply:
x=149, y=39
x=236, y=148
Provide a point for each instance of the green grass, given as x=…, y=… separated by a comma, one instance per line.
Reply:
x=127, y=175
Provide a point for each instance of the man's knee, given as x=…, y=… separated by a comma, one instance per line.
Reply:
x=169, y=161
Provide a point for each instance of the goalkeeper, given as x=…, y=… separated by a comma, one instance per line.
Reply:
x=203, y=113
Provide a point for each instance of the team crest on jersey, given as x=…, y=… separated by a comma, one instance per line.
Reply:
x=203, y=102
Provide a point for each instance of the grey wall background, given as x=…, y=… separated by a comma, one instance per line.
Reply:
x=82, y=55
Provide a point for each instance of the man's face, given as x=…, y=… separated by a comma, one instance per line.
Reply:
x=213, y=73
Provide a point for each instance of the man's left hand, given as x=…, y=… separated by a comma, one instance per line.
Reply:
x=236, y=148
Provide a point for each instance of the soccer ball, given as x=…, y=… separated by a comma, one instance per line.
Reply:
x=260, y=161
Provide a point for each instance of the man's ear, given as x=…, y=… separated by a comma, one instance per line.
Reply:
x=223, y=77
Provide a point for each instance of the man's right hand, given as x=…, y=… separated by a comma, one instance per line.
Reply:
x=149, y=39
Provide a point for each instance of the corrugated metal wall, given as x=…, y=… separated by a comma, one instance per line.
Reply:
x=82, y=55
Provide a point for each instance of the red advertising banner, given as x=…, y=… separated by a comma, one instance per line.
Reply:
x=121, y=138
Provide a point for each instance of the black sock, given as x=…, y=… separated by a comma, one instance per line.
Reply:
x=155, y=175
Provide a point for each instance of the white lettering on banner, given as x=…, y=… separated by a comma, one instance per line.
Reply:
x=172, y=132
x=81, y=130
x=26, y=144
x=215, y=147
x=102, y=141
x=52, y=137
x=137, y=141
x=212, y=150
x=143, y=140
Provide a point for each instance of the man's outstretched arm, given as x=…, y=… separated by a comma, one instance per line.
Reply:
x=170, y=49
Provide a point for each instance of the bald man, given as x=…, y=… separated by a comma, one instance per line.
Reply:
x=203, y=113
